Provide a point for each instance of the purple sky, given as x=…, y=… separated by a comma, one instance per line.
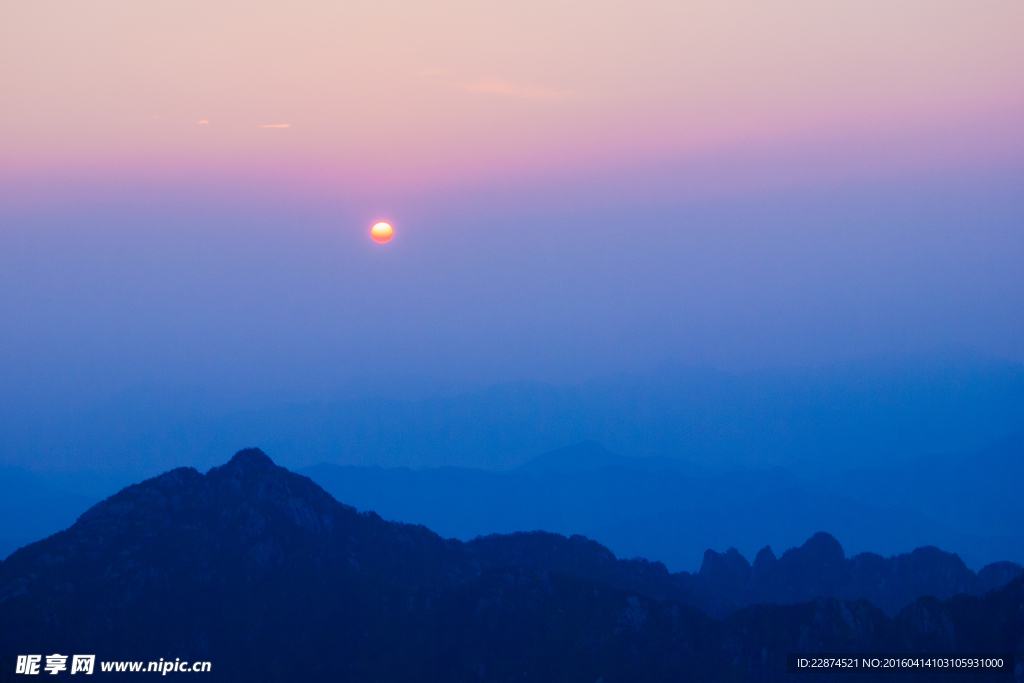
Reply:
x=577, y=189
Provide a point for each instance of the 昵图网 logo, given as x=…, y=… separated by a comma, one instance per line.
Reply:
x=32, y=665
x=55, y=663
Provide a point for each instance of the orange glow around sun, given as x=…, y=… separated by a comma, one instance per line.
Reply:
x=381, y=233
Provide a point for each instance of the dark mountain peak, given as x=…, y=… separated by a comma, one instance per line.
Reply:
x=730, y=563
x=723, y=578
x=248, y=523
x=727, y=572
x=250, y=481
x=822, y=547
x=934, y=572
x=249, y=459
x=251, y=558
x=249, y=510
x=764, y=561
x=932, y=560
x=817, y=568
x=997, y=575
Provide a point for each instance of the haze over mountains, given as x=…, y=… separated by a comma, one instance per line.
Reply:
x=672, y=511
x=655, y=508
x=261, y=572
x=864, y=413
x=887, y=457
x=698, y=339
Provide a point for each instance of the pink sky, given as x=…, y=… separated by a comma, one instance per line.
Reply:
x=408, y=96
x=577, y=188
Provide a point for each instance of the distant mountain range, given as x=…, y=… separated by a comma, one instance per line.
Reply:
x=673, y=510
x=726, y=582
x=261, y=572
x=873, y=412
x=887, y=454
x=652, y=507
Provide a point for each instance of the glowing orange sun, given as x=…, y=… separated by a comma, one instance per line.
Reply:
x=382, y=232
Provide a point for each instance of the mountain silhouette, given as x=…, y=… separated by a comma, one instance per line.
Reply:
x=261, y=572
x=726, y=582
x=671, y=510
x=637, y=506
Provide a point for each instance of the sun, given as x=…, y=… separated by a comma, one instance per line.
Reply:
x=382, y=232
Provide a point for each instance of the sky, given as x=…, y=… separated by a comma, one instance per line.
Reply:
x=739, y=233
x=389, y=99
x=577, y=189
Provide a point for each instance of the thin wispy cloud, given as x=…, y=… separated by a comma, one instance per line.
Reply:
x=503, y=88
x=276, y=125
x=203, y=121
x=500, y=87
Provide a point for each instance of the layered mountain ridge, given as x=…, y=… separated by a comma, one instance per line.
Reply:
x=672, y=510
x=726, y=582
x=263, y=573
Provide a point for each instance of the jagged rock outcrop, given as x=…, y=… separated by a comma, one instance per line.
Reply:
x=726, y=582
